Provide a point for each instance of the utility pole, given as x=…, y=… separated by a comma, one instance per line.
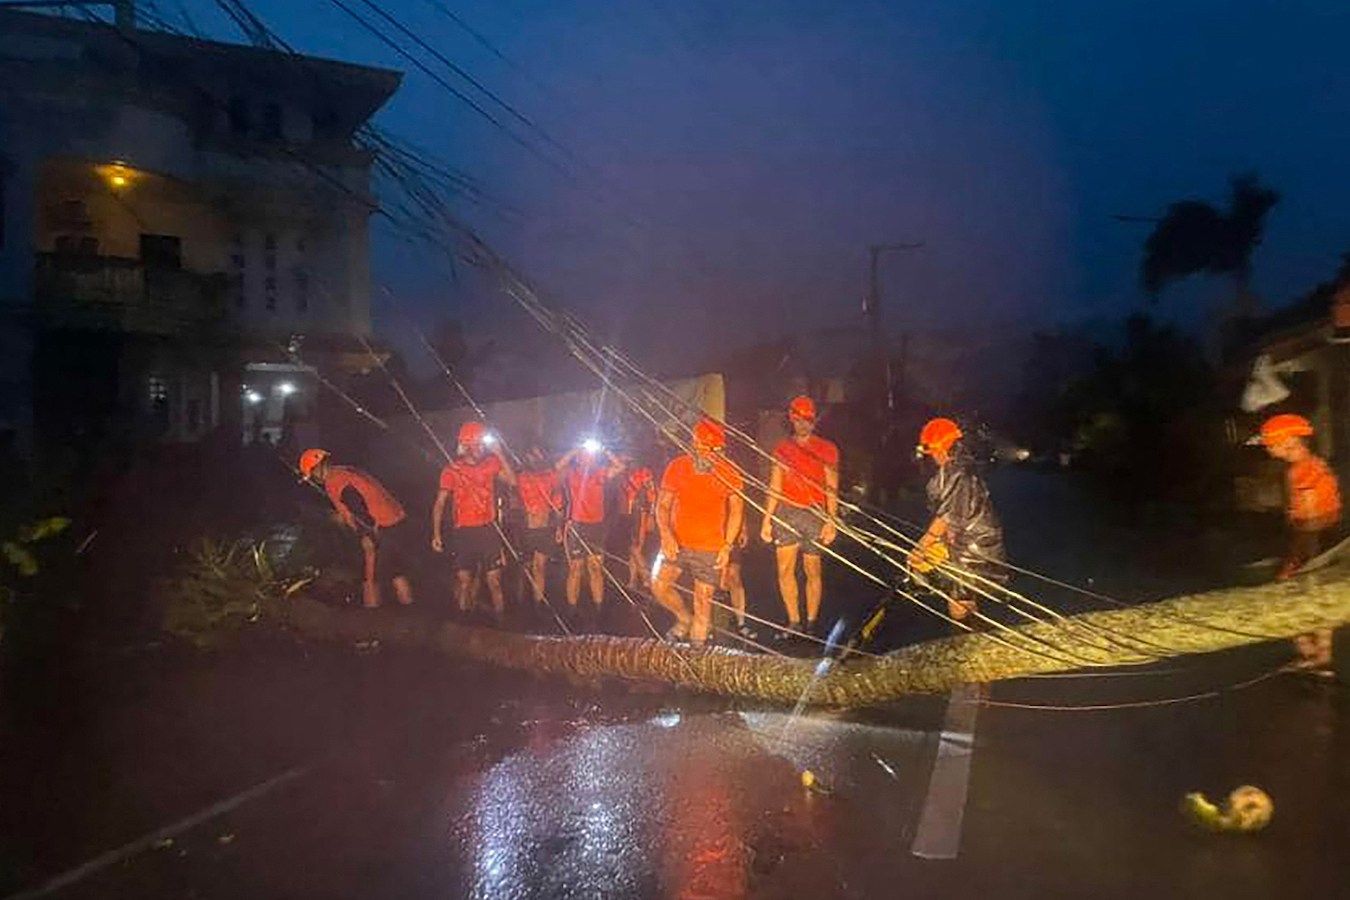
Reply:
x=872, y=310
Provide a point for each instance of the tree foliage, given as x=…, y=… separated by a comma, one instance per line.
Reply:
x=1194, y=237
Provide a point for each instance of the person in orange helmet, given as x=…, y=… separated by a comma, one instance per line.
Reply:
x=540, y=493
x=585, y=470
x=801, y=509
x=1313, y=513
x=698, y=513
x=637, y=501
x=366, y=507
x=471, y=480
x=965, y=531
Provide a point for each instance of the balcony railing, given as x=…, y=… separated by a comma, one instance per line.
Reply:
x=114, y=293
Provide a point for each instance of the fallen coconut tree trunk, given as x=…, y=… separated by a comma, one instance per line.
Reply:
x=1199, y=623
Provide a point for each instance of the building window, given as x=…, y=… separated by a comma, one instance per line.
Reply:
x=238, y=115
x=161, y=251
x=237, y=262
x=270, y=289
x=270, y=243
x=157, y=393
x=271, y=123
x=194, y=416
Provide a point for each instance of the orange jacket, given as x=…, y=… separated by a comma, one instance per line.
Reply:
x=1314, y=495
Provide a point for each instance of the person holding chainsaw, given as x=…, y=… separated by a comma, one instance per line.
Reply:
x=964, y=542
x=366, y=507
x=1313, y=513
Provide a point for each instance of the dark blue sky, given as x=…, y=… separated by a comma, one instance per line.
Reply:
x=731, y=160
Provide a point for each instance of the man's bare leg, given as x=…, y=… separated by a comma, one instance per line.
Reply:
x=403, y=590
x=595, y=569
x=494, y=581
x=735, y=587
x=698, y=631
x=463, y=589
x=537, y=576
x=786, y=558
x=814, y=589
x=573, y=581
x=670, y=598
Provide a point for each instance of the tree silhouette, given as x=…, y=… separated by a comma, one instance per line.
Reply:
x=1194, y=237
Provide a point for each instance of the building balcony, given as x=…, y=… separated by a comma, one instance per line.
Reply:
x=118, y=294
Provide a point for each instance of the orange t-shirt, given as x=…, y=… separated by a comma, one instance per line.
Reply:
x=804, y=469
x=540, y=491
x=472, y=485
x=586, y=487
x=638, y=485
x=351, y=489
x=700, y=514
x=1314, y=495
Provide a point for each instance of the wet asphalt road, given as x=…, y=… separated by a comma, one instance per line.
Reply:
x=409, y=776
x=441, y=781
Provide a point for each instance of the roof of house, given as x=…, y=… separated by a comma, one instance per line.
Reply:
x=361, y=89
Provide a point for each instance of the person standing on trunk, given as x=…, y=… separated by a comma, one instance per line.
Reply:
x=541, y=497
x=585, y=470
x=965, y=532
x=800, y=510
x=698, y=513
x=1313, y=514
x=367, y=508
x=471, y=481
x=637, y=502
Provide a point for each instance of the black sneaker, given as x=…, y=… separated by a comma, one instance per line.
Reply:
x=784, y=636
x=748, y=633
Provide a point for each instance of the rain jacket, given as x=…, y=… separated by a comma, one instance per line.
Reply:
x=958, y=495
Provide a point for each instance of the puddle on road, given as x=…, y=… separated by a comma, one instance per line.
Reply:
x=691, y=804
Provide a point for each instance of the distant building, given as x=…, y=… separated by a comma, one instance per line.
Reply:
x=172, y=212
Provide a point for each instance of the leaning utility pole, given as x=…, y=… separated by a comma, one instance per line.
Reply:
x=872, y=310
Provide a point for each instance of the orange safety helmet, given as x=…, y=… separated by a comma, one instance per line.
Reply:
x=1278, y=429
x=472, y=433
x=802, y=408
x=709, y=436
x=939, y=434
x=309, y=461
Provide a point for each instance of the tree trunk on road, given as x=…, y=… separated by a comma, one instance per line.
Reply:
x=1199, y=623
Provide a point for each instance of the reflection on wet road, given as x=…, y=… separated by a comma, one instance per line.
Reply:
x=692, y=806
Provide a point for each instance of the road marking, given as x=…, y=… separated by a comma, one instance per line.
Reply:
x=112, y=857
x=939, y=832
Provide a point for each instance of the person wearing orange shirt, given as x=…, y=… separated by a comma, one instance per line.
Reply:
x=637, y=501
x=541, y=497
x=366, y=507
x=471, y=480
x=801, y=509
x=585, y=470
x=1313, y=513
x=699, y=512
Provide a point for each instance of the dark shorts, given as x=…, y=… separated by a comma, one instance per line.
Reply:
x=582, y=539
x=393, y=551
x=539, y=540
x=478, y=546
x=624, y=532
x=700, y=564
x=807, y=522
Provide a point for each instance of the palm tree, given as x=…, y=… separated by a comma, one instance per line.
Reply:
x=1194, y=237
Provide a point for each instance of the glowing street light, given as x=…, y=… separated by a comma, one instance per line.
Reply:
x=591, y=445
x=286, y=388
x=253, y=397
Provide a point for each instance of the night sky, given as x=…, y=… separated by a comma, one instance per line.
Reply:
x=728, y=162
